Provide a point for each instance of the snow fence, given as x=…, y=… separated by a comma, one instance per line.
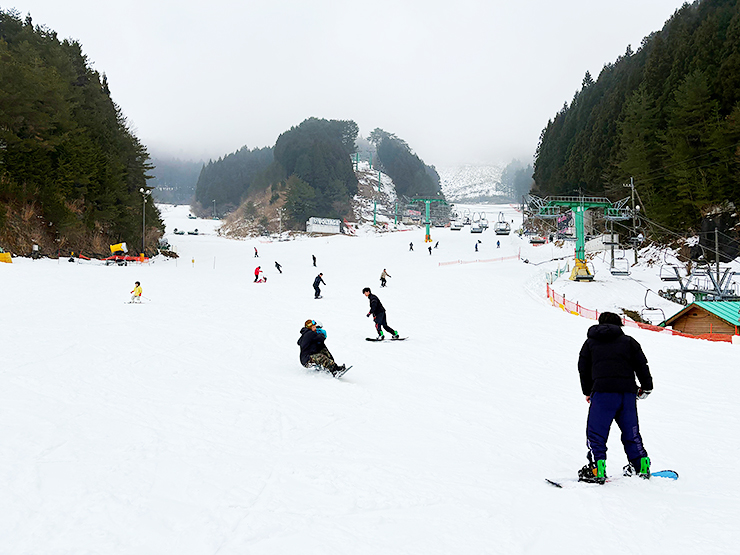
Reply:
x=571, y=307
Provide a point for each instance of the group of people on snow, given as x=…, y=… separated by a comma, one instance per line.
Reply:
x=314, y=352
x=609, y=364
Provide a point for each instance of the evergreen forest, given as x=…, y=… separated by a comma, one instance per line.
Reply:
x=316, y=156
x=411, y=176
x=71, y=169
x=228, y=181
x=516, y=180
x=309, y=169
x=667, y=116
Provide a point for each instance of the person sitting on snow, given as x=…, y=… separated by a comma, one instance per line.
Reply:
x=314, y=351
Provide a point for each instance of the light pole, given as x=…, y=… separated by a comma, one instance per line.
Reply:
x=144, y=193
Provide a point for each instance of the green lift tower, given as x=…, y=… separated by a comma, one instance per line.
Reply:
x=549, y=208
x=427, y=202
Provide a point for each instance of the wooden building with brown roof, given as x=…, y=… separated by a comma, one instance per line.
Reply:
x=707, y=317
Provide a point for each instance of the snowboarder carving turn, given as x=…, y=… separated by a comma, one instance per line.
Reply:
x=314, y=352
x=608, y=363
x=316, y=288
x=378, y=312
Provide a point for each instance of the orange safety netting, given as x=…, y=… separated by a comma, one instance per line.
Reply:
x=574, y=308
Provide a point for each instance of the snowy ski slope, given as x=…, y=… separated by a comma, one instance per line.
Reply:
x=186, y=425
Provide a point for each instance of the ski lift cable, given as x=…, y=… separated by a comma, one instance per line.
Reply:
x=678, y=235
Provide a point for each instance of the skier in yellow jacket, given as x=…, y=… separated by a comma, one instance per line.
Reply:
x=136, y=293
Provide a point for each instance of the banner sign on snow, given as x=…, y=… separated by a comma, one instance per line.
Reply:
x=323, y=225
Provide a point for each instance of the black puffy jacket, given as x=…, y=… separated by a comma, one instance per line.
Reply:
x=376, y=307
x=610, y=360
x=310, y=342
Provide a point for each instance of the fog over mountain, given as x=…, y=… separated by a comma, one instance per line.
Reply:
x=469, y=182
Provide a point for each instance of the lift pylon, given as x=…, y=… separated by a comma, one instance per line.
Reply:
x=549, y=208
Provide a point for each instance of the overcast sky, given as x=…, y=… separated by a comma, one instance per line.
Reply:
x=463, y=81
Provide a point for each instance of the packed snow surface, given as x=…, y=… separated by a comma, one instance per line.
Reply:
x=187, y=425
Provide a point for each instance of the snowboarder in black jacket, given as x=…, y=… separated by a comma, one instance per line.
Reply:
x=316, y=288
x=378, y=312
x=608, y=363
x=313, y=350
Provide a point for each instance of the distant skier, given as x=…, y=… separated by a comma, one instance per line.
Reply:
x=411, y=246
x=378, y=312
x=430, y=250
x=279, y=267
x=136, y=293
x=313, y=349
x=314, y=259
x=256, y=254
x=498, y=244
x=316, y=288
x=608, y=363
x=476, y=247
x=257, y=272
x=436, y=244
x=383, y=277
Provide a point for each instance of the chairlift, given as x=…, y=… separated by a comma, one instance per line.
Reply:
x=648, y=311
x=588, y=275
x=669, y=272
x=502, y=228
x=620, y=267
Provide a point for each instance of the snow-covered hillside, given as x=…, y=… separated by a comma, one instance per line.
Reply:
x=460, y=183
x=187, y=425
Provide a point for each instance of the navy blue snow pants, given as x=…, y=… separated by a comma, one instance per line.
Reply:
x=608, y=407
x=380, y=322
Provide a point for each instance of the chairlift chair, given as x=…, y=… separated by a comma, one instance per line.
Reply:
x=620, y=267
x=669, y=272
x=646, y=312
x=649, y=313
x=502, y=228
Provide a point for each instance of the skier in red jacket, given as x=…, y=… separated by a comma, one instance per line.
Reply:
x=257, y=272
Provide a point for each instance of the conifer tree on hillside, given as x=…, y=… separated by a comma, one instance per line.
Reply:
x=229, y=180
x=318, y=153
x=665, y=115
x=66, y=150
x=411, y=176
